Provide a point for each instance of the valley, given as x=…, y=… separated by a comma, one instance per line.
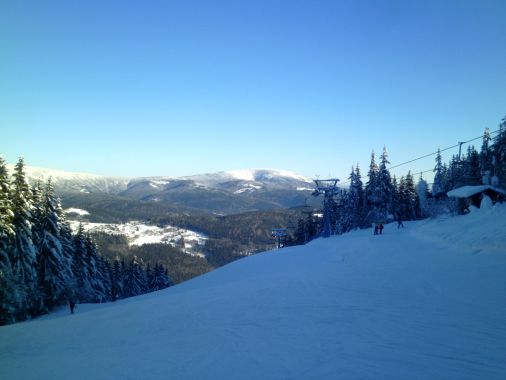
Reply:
x=189, y=224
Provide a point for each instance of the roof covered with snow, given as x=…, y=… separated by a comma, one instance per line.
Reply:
x=469, y=191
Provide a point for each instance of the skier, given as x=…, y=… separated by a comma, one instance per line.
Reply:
x=381, y=228
x=72, y=305
x=376, y=228
x=399, y=223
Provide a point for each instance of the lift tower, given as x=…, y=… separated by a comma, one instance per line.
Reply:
x=327, y=188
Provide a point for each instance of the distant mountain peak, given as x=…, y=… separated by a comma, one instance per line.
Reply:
x=263, y=174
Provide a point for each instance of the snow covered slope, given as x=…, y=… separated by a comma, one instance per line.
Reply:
x=423, y=302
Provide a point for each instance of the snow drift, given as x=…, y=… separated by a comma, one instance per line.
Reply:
x=423, y=302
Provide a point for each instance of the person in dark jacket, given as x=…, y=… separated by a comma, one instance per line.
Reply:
x=381, y=228
x=72, y=305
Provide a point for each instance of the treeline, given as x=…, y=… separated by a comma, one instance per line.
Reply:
x=43, y=264
x=180, y=265
x=384, y=198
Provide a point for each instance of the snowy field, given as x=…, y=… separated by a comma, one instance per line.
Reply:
x=424, y=302
x=138, y=233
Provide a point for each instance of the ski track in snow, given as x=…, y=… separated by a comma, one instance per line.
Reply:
x=414, y=303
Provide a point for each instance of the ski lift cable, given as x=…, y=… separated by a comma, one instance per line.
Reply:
x=432, y=154
x=441, y=150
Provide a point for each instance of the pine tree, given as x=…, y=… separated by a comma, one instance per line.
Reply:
x=471, y=167
x=159, y=279
x=359, y=189
x=371, y=191
x=454, y=173
x=438, y=187
x=67, y=243
x=135, y=279
x=96, y=271
x=486, y=154
x=396, y=198
x=53, y=271
x=117, y=282
x=149, y=278
x=103, y=283
x=307, y=229
x=445, y=178
x=8, y=291
x=354, y=200
x=80, y=270
x=499, y=154
x=422, y=190
x=385, y=190
x=37, y=204
x=23, y=253
x=409, y=202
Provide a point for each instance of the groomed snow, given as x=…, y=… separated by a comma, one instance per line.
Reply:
x=423, y=302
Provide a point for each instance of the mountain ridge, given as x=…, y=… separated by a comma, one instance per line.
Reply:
x=224, y=192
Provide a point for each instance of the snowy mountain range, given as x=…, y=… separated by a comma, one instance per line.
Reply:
x=422, y=302
x=223, y=192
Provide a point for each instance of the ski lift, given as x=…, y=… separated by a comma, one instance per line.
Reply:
x=279, y=233
x=328, y=188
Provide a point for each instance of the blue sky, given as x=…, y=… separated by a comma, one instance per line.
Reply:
x=137, y=88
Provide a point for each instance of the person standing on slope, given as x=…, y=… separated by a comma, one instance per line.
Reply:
x=72, y=305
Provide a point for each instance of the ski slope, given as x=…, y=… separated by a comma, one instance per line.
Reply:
x=424, y=302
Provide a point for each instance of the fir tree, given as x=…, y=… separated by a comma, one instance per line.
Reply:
x=395, y=198
x=454, y=173
x=371, y=191
x=422, y=190
x=159, y=279
x=499, y=154
x=96, y=271
x=23, y=252
x=8, y=291
x=149, y=278
x=37, y=203
x=135, y=279
x=103, y=283
x=80, y=270
x=409, y=203
x=356, y=199
x=471, y=167
x=117, y=282
x=384, y=189
x=67, y=243
x=438, y=187
x=486, y=154
x=445, y=178
x=53, y=271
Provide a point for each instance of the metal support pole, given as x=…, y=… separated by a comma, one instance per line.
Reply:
x=460, y=148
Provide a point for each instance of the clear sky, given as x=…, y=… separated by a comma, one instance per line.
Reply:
x=137, y=88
